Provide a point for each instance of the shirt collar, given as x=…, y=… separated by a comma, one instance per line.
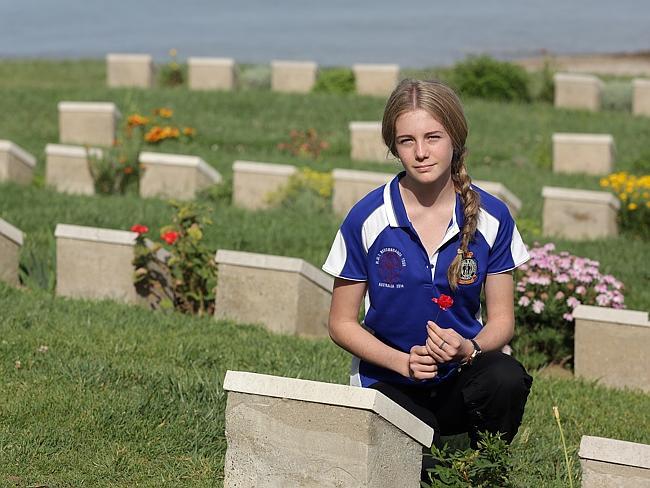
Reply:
x=396, y=212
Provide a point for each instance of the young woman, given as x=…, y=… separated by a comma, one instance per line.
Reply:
x=421, y=249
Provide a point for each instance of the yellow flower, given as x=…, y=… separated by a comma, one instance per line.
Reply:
x=646, y=195
x=172, y=52
x=647, y=204
x=604, y=182
x=164, y=112
x=632, y=206
x=623, y=196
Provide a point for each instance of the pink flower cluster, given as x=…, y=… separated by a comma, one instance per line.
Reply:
x=558, y=283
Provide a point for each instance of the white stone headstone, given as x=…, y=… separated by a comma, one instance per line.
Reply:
x=67, y=168
x=16, y=164
x=367, y=144
x=583, y=153
x=254, y=182
x=88, y=123
x=293, y=76
x=211, y=73
x=609, y=463
x=641, y=97
x=578, y=91
x=129, y=70
x=376, y=79
x=11, y=240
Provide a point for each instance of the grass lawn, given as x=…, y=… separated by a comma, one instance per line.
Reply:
x=126, y=397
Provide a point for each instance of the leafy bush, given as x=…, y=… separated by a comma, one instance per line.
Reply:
x=306, y=188
x=485, y=77
x=548, y=288
x=172, y=73
x=634, y=193
x=486, y=467
x=304, y=143
x=183, y=274
x=335, y=80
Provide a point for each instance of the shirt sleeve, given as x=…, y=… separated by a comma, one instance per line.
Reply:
x=347, y=257
x=508, y=251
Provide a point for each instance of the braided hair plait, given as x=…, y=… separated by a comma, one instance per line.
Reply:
x=471, y=203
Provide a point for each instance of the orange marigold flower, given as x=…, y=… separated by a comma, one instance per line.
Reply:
x=154, y=134
x=128, y=170
x=164, y=112
x=189, y=131
x=136, y=120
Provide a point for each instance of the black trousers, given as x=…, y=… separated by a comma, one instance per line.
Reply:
x=489, y=395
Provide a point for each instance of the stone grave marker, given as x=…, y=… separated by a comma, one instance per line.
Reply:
x=293, y=76
x=211, y=73
x=16, y=164
x=367, y=144
x=254, y=182
x=375, y=79
x=578, y=91
x=641, y=97
x=67, y=168
x=285, y=432
x=95, y=263
x=286, y=295
x=175, y=176
x=610, y=346
x=579, y=214
x=609, y=463
x=129, y=70
x=583, y=153
x=11, y=240
x=88, y=123
x=350, y=186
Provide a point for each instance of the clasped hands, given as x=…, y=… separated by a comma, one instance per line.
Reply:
x=442, y=346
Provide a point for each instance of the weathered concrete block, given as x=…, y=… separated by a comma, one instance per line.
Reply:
x=350, y=186
x=367, y=144
x=610, y=345
x=211, y=73
x=67, y=168
x=16, y=164
x=95, y=263
x=175, y=176
x=293, y=76
x=578, y=91
x=583, y=153
x=375, y=79
x=254, y=182
x=88, y=123
x=129, y=70
x=641, y=97
x=608, y=463
x=11, y=240
x=579, y=214
x=285, y=432
x=500, y=191
x=286, y=295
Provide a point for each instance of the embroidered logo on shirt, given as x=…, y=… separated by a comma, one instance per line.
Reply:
x=468, y=269
x=391, y=262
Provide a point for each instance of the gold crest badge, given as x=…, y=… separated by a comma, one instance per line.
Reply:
x=468, y=269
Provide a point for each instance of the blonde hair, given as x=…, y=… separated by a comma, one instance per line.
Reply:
x=444, y=105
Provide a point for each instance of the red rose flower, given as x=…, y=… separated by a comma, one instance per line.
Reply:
x=140, y=229
x=443, y=301
x=170, y=237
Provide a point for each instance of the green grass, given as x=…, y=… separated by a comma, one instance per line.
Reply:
x=127, y=397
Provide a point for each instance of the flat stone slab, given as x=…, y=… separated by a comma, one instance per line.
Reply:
x=253, y=182
x=614, y=463
x=129, y=70
x=610, y=345
x=350, y=186
x=583, y=153
x=11, y=240
x=67, y=168
x=16, y=164
x=292, y=432
x=367, y=144
x=376, y=79
x=578, y=91
x=293, y=76
x=95, y=263
x=175, y=175
x=579, y=214
x=641, y=97
x=211, y=73
x=88, y=123
x=286, y=295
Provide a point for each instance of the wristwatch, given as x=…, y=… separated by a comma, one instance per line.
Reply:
x=477, y=351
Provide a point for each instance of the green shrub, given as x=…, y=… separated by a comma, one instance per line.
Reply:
x=485, y=77
x=335, y=80
x=488, y=466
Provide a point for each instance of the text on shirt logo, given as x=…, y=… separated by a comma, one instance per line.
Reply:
x=391, y=262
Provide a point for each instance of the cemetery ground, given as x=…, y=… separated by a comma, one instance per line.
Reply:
x=102, y=394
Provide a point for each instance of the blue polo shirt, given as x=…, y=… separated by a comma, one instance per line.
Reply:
x=378, y=244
